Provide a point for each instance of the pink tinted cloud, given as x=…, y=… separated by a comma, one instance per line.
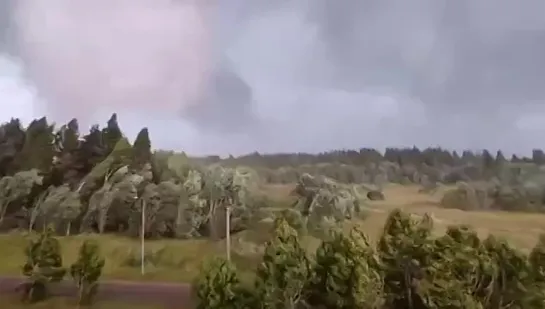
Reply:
x=89, y=56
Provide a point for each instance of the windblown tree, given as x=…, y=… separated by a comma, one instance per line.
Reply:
x=345, y=273
x=111, y=204
x=86, y=271
x=43, y=266
x=324, y=203
x=141, y=150
x=161, y=207
x=12, y=139
x=67, y=162
x=111, y=134
x=15, y=191
x=38, y=150
x=92, y=149
x=59, y=207
x=282, y=276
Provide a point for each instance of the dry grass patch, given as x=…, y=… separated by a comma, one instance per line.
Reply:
x=522, y=229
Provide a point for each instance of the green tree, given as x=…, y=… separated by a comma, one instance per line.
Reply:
x=12, y=139
x=405, y=248
x=38, y=149
x=67, y=137
x=66, y=167
x=141, y=150
x=285, y=270
x=509, y=280
x=15, y=190
x=121, y=154
x=43, y=265
x=86, y=271
x=459, y=271
x=219, y=287
x=111, y=134
x=536, y=295
x=346, y=273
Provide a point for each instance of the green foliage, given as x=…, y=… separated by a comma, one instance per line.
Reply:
x=408, y=268
x=458, y=272
x=37, y=151
x=324, y=203
x=285, y=270
x=219, y=287
x=86, y=271
x=405, y=249
x=295, y=220
x=345, y=273
x=141, y=153
x=43, y=265
x=111, y=134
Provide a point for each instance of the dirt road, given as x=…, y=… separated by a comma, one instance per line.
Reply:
x=169, y=295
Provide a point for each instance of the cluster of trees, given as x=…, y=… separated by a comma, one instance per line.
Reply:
x=406, y=268
x=44, y=265
x=100, y=182
x=66, y=156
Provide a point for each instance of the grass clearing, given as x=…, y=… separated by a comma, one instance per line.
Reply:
x=170, y=260
x=521, y=229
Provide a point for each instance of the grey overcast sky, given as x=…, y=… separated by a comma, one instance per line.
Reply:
x=210, y=76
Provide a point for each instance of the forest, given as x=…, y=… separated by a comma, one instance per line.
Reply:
x=92, y=181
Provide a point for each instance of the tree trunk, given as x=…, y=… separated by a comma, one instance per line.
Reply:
x=4, y=210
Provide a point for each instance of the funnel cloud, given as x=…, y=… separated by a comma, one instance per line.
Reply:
x=244, y=75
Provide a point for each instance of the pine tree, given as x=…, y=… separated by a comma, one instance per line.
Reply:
x=346, y=273
x=12, y=139
x=38, y=149
x=112, y=133
x=285, y=270
x=141, y=153
x=71, y=136
x=86, y=271
x=67, y=166
x=219, y=287
x=121, y=153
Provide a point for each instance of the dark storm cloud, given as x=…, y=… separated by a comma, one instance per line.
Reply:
x=309, y=75
x=473, y=68
x=5, y=9
x=226, y=105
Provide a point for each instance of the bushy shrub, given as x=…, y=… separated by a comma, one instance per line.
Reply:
x=86, y=271
x=43, y=266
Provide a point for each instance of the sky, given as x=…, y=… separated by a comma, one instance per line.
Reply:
x=233, y=77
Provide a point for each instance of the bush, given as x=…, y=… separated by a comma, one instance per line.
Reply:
x=467, y=197
x=43, y=265
x=86, y=271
